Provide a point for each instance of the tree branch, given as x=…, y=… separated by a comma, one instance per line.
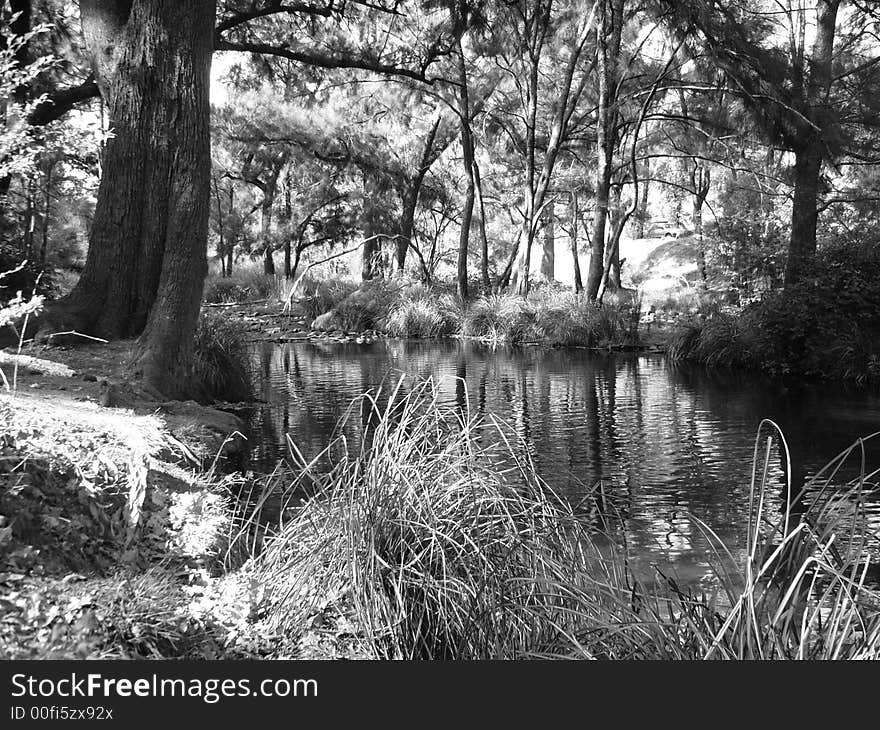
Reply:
x=61, y=101
x=323, y=60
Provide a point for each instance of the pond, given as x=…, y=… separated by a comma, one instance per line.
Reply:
x=665, y=443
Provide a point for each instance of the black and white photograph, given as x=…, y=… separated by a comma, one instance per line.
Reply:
x=434, y=330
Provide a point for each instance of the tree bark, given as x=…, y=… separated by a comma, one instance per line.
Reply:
x=411, y=197
x=548, y=257
x=642, y=219
x=266, y=231
x=609, y=24
x=484, y=240
x=578, y=282
x=810, y=155
x=147, y=255
x=467, y=147
x=804, y=215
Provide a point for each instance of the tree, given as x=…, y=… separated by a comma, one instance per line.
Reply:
x=808, y=98
x=147, y=251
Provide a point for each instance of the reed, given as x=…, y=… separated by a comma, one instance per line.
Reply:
x=221, y=359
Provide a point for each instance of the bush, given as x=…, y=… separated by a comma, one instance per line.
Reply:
x=440, y=556
x=221, y=359
x=566, y=319
x=826, y=326
x=248, y=283
x=225, y=291
x=552, y=317
x=321, y=295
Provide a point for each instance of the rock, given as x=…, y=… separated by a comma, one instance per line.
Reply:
x=326, y=321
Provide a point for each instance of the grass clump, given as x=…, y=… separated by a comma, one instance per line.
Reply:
x=221, y=359
x=423, y=312
x=246, y=284
x=552, y=317
x=317, y=296
x=566, y=319
x=439, y=555
x=499, y=318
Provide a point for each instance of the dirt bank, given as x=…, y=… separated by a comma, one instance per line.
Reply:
x=116, y=514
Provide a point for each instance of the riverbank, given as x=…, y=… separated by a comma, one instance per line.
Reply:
x=117, y=514
x=549, y=317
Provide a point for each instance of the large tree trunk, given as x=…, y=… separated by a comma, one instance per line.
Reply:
x=147, y=255
x=484, y=240
x=266, y=232
x=810, y=155
x=411, y=197
x=642, y=213
x=523, y=265
x=407, y=221
x=804, y=216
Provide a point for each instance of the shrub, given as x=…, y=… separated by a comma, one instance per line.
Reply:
x=221, y=359
x=321, y=295
x=224, y=291
x=827, y=325
x=248, y=283
x=439, y=555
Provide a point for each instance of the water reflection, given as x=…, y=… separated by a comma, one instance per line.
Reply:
x=664, y=443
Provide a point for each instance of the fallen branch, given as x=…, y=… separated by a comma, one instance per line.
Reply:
x=77, y=334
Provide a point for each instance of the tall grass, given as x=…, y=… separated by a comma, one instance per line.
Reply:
x=499, y=318
x=439, y=554
x=423, y=312
x=552, y=317
x=722, y=341
x=221, y=359
x=246, y=284
x=438, y=548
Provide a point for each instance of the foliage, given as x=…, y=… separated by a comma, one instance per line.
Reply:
x=439, y=556
x=19, y=147
x=499, y=318
x=221, y=360
x=318, y=296
x=826, y=326
x=247, y=283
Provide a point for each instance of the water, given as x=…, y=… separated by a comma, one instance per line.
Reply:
x=665, y=443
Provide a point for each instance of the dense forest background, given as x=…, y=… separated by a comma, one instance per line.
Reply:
x=148, y=143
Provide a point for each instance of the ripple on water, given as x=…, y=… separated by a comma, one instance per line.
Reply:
x=665, y=443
